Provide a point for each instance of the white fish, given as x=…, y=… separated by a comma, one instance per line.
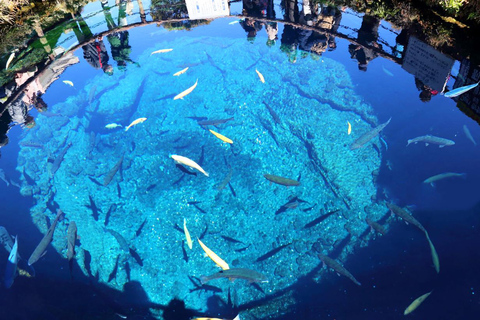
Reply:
x=113, y=125
x=234, y=22
x=441, y=176
x=469, y=135
x=428, y=139
x=387, y=71
x=456, y=92
x=11, y=269
x=186, y=92
x=161, y=51
x=189, y=163
x=135, y=122
x=70, y=83
x=10, y=60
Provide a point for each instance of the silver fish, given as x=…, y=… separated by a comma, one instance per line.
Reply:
x=456, y=92
x=428, y=139
x=4, y=177
x=469, y=135
x=360, y=142
x=11, y=269
x=441, y=176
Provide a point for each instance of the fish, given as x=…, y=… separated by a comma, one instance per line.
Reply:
x=221, y=137
x=320, y=219
x=414, y=305
x=139, y=230
x=3, y=177
x=109, y=176
x=405, y=216
x=428, y=139
x=5, y=239
x=349, y=130
x=11, y=268
x=229, y=239
x=136, y=256
x=71, y=238
x=281, y=180
x=260, y=76
x=120, y=239
x=58, y=160
x=186, y=92
x=161, y=51
x=218, y=261
x=113, y=125
x=366, y=137
x=214, y=122
x=176, y=74
x=272, y=112
x=95, y=181
x=12, y=55
x=41, y=248
x=236, y=273
x=189, y=163
x=445, y=175
x=271, y=253
x=113, y=274
x=242, y=249
x=234, y=22
x=70, y=83
x=31, y=144
x=469, y=135
x=135, y=122
x=435, y=260
x=376, y=226
x=204, y=233
x=231, y=190
x=338, y=268
x=458, y=91
x=387, y=72
x=112, y=208
x=226, y=180
x=187, y=234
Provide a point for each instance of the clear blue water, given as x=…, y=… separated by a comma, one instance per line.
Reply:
x=314, y=97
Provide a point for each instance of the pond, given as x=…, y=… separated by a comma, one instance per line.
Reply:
x=194, y=143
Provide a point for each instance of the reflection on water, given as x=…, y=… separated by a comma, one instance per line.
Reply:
x=250, y=131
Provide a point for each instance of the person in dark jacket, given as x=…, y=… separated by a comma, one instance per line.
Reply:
x=96, y=55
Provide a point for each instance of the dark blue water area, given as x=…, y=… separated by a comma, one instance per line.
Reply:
x=394, y=269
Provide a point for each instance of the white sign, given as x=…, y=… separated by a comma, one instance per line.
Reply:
x=427, y=64
x=205, y=9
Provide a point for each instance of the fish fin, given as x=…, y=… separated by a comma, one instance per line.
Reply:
x=432, y=184
x=426, y=144
x=338, y=274
x=441, y=146
x=406, y=222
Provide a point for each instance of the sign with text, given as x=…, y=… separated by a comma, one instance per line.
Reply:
x=205, y=9
x=427, y=64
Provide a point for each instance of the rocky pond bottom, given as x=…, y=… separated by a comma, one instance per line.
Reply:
x=130, y=200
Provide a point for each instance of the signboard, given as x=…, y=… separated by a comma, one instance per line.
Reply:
x=205, y=9
x=427, y=64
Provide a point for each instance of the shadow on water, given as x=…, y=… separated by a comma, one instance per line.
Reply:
x=51, y=295
x=394, y=270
